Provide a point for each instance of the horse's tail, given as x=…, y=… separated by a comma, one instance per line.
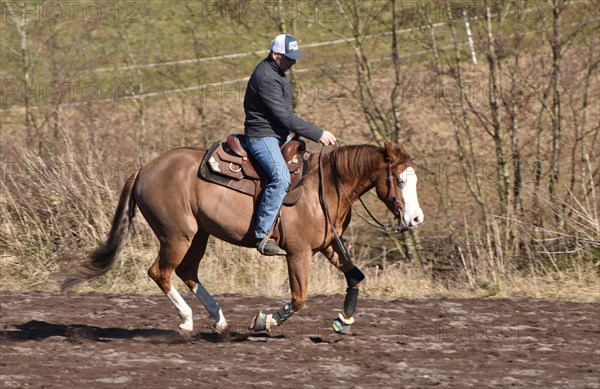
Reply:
x=104, y=257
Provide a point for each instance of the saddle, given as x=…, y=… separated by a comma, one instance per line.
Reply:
x=229, y=164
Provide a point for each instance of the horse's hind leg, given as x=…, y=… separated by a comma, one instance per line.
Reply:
x=188, y=272
x=169, y=257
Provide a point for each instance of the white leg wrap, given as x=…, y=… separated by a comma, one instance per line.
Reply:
x=184, y=310
x=221, y=325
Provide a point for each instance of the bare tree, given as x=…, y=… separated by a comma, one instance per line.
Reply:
x=383, y=116
x=394, y=95
x=35, y=39
x=556, y=44
x=503, y=180
x=25, y=56
x=384, y=120
x=138, y=91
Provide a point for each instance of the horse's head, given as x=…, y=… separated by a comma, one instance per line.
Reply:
x=396, y=186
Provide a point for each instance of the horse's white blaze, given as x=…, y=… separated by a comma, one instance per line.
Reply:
x=413, y=214
x=184, y=310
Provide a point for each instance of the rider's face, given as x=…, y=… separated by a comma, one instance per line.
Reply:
x=283, y=62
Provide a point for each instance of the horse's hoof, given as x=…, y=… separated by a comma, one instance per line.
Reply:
x=221, y=327
x=186, y=334
x=341, y=328
x=186, y=327
x=341, y=325
x=259, y=322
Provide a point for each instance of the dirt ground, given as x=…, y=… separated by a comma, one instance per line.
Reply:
x=100, y=340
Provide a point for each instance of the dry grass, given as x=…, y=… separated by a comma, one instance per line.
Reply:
x=58, y=207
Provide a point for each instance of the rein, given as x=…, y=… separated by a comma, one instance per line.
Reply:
x=323, y=201
x=378, y=224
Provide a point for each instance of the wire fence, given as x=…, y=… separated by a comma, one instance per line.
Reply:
x=133, y=96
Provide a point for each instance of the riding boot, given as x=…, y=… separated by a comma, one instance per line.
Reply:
x=268, y=247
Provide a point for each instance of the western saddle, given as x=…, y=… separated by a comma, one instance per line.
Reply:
x=229, y=164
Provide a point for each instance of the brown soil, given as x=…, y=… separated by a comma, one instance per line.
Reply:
x=100, y=340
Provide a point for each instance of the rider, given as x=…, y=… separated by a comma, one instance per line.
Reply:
x=269, y=122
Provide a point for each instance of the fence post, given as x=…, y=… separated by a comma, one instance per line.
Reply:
x=469, y=37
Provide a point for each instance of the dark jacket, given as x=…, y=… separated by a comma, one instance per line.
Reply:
x=268, y=106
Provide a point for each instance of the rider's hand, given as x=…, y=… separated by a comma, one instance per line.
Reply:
x=327, y=138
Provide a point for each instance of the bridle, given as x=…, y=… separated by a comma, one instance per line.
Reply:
x=398, y=210
x=392, y=190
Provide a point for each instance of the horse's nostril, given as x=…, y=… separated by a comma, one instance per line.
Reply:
x=416, y=221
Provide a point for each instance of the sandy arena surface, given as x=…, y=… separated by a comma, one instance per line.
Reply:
x=127, y=341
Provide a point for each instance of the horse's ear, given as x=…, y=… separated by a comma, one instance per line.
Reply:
x=390, y=152
x=401, y=149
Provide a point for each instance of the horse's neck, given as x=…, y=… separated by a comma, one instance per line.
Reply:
x=355, y=167
x=354, y=188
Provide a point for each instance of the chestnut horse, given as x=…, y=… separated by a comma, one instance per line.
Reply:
x=184, y=210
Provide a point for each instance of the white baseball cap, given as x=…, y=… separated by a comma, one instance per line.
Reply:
x=287, y=45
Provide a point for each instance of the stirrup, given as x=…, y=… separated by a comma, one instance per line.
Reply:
x=268, y=247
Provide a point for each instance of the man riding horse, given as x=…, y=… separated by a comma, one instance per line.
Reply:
x=269, y=122
x=184, y=209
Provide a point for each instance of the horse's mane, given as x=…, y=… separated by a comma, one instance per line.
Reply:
x=356, y=160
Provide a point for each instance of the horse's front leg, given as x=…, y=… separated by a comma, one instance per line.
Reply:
x=298, y=272
x=354, y=277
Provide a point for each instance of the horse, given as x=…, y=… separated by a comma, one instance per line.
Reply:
x=184, y=210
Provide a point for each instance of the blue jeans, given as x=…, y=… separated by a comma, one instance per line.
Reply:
x=267, y=152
